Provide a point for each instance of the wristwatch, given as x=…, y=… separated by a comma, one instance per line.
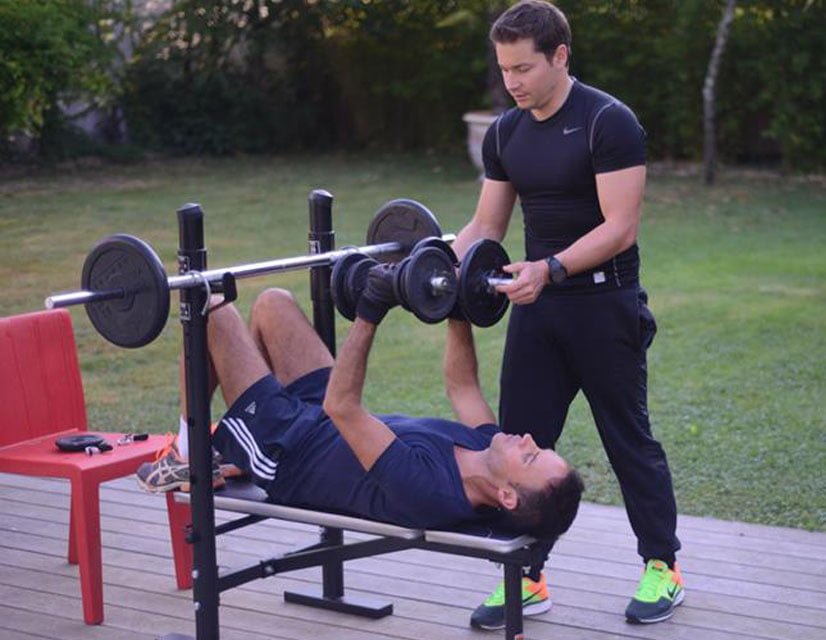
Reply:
x=556, y=270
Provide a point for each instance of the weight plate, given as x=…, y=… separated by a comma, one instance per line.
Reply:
x=481, y=305
x=403, y=221
x=430, y=301
x=438, y=243
x=398, y=283
x=127, y=263
x=356, y=280
x=338, y=284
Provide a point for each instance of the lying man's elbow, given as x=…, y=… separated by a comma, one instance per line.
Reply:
x=339, y=411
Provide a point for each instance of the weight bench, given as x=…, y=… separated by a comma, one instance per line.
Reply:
x=513, y=551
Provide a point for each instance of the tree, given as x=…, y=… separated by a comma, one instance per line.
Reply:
x=48, y=55
x=709, y=93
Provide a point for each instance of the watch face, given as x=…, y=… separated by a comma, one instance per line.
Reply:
x=557, y=270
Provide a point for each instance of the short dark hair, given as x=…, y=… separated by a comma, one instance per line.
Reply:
x=547, y=513
x=538, y=20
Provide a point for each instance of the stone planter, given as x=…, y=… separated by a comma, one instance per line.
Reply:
x=477, y=125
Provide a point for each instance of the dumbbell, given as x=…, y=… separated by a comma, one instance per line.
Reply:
x=480, y=273
x=426, y=284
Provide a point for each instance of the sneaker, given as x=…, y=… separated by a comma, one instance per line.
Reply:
x=491, y=613
x=660, y=590
x=170, y=471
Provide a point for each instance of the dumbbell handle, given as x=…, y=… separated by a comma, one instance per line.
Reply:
x=440, y=284
x=497, y=282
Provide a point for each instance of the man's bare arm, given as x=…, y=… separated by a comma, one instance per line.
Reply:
x=492, y=216
x=366, y=435
x=461, y=373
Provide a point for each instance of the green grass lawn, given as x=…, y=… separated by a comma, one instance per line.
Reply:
x=736, y=275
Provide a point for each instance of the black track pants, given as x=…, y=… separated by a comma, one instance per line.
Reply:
x=594, y=342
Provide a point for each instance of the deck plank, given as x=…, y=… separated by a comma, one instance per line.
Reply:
x=744, y=581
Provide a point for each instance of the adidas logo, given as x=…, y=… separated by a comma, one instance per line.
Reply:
x=251, y=408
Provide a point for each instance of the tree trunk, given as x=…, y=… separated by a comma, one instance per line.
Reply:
x=709, y=141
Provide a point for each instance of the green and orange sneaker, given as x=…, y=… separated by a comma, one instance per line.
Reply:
x=491, y=613
x=659, y=592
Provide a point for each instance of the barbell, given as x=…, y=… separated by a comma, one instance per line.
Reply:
x=126, y=291
x=426, y=284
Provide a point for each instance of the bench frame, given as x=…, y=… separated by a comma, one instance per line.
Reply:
x=241, y=497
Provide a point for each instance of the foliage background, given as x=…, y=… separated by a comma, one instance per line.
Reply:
x=266, y=76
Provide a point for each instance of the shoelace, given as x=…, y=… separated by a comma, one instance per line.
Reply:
x=653, y=578
x=171, y=438
x=498, y=595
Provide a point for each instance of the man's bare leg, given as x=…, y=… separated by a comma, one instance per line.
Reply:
x=285, y=337
x=280, y=340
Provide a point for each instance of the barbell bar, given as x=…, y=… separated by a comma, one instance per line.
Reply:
x=197, y=279
x=126, y=291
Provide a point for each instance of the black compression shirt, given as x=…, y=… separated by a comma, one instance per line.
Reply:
x=552, y=164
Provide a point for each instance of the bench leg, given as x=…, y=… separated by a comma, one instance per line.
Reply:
x=85, y=539
x=513, y=602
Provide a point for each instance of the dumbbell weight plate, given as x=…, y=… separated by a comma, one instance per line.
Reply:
x=438, y=243
x=356, y=280
x=403, y=221
x=426, y=304
x=127, y=263
x=478, y=303
x=338, y=284
x=398, y=283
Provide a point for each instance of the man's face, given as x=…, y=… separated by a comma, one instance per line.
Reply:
x=517, y=461
x=529, y=76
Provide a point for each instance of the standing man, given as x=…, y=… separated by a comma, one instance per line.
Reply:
x=575, y=158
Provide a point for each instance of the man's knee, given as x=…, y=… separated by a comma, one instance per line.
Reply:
x=271, y=304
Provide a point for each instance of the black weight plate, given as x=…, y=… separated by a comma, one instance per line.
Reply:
x=127, y=263
x=338, y=284
x=78, y=442
x=403, y=221
x=438, y=243
x=426, y=304
x=398, y=283
x=357, y=279
x=480, y=305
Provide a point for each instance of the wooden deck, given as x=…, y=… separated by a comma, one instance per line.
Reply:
x=743, y=581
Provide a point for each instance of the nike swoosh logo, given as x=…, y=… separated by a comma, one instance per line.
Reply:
x=566, y=131
x=672, y=590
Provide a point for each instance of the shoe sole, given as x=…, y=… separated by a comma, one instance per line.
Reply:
x=665, y=616
x=530, y=610
x=183, y=486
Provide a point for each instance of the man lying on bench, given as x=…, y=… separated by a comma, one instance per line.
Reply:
x=297, y=425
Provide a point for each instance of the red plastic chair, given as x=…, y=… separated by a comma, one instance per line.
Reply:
x=41, y=398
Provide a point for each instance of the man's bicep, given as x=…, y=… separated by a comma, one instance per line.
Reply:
x=620, y=193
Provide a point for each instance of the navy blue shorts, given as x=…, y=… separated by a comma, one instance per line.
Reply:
x=257, y=426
